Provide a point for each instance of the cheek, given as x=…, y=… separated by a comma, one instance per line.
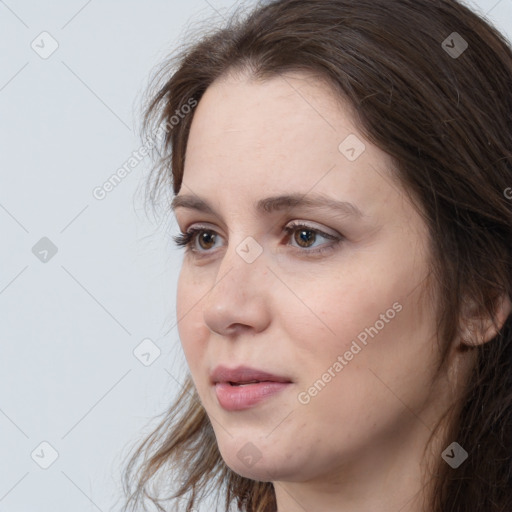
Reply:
x=376, y=326
x=328, y=313
x=192, y=330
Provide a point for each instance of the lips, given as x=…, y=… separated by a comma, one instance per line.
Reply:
x=243, y=375
x=240, y=388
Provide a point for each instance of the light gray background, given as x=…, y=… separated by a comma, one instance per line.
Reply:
x=69, y=326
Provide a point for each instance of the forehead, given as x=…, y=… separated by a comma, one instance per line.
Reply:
x=252, y=139
x=280, y=109
x=287, y=116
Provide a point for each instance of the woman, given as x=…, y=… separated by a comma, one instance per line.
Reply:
x=344, y=300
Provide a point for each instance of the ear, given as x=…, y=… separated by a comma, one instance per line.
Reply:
x=477, y=329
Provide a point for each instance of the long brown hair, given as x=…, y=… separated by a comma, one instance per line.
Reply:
x=430, y=82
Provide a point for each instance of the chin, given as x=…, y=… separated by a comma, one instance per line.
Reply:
x=249, y=462
x=258, y=472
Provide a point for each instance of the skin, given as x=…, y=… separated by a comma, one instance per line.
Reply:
x=358, y=444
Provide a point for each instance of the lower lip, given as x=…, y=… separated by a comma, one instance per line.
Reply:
x=236, y=398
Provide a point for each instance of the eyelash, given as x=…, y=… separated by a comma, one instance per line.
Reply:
x=187, y=239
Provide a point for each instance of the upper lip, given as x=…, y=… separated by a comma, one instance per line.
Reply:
x=243, y=374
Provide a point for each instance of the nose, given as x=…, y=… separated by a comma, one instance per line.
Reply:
x=239, y=299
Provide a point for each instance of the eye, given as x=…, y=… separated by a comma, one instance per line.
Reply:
x=304, y=235
x=188, y=239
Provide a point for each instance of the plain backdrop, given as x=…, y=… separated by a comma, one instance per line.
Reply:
x=89, y=346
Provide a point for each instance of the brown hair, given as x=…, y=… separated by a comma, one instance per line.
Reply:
x=446, y=120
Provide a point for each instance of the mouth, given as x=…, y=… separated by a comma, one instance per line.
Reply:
x=249, y=382
x=238, y=396
x=243, y=387
x=244, y=375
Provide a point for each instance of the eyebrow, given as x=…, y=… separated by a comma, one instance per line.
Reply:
x=275, y=203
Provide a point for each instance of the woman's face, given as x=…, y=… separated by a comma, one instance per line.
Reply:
x=333, y=307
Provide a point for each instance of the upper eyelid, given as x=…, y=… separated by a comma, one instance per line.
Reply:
x=291, y=224
x=296, y=221
x=289, y=228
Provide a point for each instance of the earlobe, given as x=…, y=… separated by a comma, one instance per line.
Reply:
x=479, y=330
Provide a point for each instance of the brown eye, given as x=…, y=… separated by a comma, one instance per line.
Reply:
x=189, y=240
x=304, y=236
x=205, y=239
